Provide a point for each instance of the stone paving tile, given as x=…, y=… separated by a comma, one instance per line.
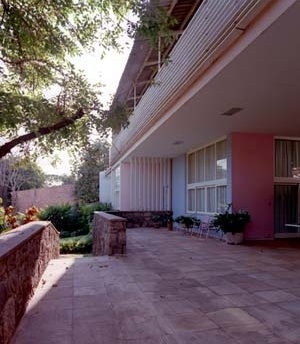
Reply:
x=168, y=289
x=276, y=296
x=245, y=299
x=191, y=322
x=274, y=317
x=292, y=306
x=215, y=336
x=257, y=334
x=232, y=317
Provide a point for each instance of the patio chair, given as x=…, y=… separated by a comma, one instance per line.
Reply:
x=196, y=227
x=205, y=228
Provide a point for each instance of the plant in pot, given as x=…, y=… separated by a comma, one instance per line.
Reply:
x=232, y=223
x=187, y=221
x=170, y=222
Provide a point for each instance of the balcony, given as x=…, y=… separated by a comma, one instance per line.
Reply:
x=213, y=28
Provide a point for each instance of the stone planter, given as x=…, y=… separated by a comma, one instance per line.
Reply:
x=234, y=238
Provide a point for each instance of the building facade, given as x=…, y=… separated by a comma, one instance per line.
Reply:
x=218, y=121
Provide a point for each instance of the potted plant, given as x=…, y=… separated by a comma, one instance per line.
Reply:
x=232, y=223
x=187, y=221
x=170, y=222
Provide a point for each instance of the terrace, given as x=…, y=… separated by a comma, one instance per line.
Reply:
x=168, y=289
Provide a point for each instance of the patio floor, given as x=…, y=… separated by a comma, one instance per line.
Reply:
x=168, y=289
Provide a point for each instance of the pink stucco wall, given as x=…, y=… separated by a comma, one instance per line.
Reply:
x=44, y=197
x=252, y=181
x=125, y=186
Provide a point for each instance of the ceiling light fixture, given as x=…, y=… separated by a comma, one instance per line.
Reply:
x=232, y=111
x=177, y=143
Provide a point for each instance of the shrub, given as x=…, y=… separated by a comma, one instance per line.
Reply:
x=79, y=244
x=72, y=221
x=64, y=217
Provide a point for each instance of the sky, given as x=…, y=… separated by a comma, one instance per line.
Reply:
x=108, y=71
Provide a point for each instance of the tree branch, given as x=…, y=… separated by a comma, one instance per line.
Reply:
x=7, y=147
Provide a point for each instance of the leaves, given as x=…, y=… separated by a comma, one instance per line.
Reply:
x=94, y=158
x=37, y=41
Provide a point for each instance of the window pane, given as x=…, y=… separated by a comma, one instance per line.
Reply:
x=221, y=159
x=191, y=168
x=210, y=161
x=200, y=166
x=191, y=200
x=296, y=160
x=211, y=200
x=283, y=158
x=200, y=197
x=221, y=199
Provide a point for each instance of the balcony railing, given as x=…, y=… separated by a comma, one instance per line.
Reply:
x=216, y=25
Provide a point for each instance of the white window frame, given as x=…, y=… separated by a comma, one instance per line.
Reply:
x=205, y=184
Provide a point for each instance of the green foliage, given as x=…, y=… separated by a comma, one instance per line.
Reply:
x=64, y=217
x=38, y=39
x=72, y=220
x=94, y=158
x=79, y=244
x=19, y=173
x=33, y=175
x=187, y=221
x=3, y=225
x=87, y=210
x=233, y=222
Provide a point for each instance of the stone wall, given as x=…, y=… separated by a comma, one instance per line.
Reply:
x=143, y=218
x=24, y=255
x=43, y=197
x=109, y=234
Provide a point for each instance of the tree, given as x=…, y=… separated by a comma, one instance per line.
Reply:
x=38, y=39
x=19, y=174
x=93, y=160
x=55, y=179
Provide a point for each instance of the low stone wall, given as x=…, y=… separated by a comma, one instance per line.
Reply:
x=143, y=218
x=24, y=255
x=109, y=234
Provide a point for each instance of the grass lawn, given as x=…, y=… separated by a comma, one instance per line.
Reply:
x=79, y=244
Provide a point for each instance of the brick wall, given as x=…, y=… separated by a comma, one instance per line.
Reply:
x=44, y=196
x=24, y=255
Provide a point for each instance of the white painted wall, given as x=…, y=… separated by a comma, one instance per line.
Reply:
x=150, y=181
x=178, y=185
x=125, y=192
x=105, y=187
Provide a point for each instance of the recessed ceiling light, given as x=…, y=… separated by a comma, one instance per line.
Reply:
x=231, y=111
x=177, y=143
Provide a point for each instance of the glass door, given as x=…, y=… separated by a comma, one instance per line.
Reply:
x=286, y=210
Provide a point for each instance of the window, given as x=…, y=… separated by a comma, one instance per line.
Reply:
x=207, y=173
x=211, y=199
x=192, y=171
x=200, y=199
x=191, y=202
x=221, y=199
x=287, y=159
x=221, y=160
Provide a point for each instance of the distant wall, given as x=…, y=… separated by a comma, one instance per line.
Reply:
x=44, y=196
